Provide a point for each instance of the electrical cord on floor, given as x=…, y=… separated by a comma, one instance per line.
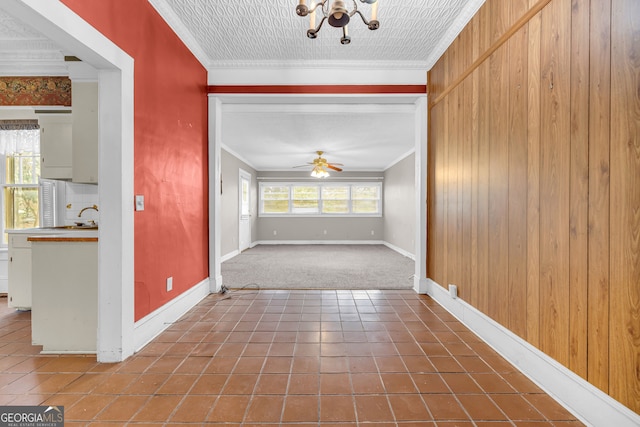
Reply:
x=226, y=293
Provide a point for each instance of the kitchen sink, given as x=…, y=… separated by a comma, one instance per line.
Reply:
x=72, y=227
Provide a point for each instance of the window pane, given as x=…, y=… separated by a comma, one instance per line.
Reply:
x=22, y=168
x=305, y=199
x=305, y=206
x=275, y=206
x=306, y=193
x=244, y=208
x=335, y=206
x=321, y=198
x=366, y=192
x=365, y=206
x=334, y=192
x=275, y=193
x=21, y=207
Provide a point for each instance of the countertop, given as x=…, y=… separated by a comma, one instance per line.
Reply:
x=58, y=234
x=77, y=236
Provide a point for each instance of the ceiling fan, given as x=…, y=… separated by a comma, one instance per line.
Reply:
x=320, y=166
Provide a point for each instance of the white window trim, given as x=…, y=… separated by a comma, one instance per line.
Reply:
x=291, y=184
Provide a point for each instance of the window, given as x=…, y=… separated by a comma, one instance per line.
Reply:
x=320, y=199
x=20, y=167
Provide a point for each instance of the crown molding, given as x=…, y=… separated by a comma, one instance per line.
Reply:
x=183, y=33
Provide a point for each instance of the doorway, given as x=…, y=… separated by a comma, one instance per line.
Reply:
x=244, y=204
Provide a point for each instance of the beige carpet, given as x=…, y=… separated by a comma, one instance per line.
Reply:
x=319, y=267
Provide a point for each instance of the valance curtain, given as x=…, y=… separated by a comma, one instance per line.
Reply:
x=19, y=136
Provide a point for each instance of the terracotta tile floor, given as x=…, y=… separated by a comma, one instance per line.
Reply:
x=268, y=358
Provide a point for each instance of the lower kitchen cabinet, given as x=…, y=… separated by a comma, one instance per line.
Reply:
x=64, y=315
x=19, y=283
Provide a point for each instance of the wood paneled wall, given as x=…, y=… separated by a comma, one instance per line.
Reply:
x=534, y=179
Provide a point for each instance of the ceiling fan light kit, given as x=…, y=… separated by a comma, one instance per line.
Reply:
x=319, y=172
x=335, y=12
x=320, y=166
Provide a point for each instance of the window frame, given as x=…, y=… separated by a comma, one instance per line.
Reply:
x=319, y=212
x=4, y=185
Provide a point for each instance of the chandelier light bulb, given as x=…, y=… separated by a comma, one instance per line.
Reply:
x=336, y=13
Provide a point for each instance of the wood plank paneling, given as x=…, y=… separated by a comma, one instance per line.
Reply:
x=499, y=170
x=537, y=165
x=624, y=324
x=517, y=226
x=473, y=293
x=554, y=181
x=598, y=239
x=579, y=187
x=451, y=180
x=466, y=51
x=533, y=180
x=484, y=113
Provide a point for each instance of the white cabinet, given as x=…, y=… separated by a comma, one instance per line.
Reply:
x=69, y=142
x=64, y=318
x=19, y=286
x=55, y=146
x=85, y=132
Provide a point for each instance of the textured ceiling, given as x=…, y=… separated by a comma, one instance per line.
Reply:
x=24, y=51
x=275, y=132
x=241, y=33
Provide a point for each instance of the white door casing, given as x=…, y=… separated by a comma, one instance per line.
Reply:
x=244, y=210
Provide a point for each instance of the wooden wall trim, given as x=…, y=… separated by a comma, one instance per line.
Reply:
x=318, y=89
x=495, y=46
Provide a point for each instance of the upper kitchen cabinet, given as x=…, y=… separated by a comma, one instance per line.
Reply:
x=85, y=132
x=56, y=145
x=69, y=142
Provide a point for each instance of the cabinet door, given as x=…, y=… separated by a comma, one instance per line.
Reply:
x=85, y=132
x=19, y=287
x=55, y=146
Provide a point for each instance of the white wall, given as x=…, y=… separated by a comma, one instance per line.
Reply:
x=399, y=205
x=319, y=229
x=77, y=197
x=229, y=200
x=396, y=227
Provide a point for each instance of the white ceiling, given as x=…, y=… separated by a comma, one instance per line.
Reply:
x=265, y=43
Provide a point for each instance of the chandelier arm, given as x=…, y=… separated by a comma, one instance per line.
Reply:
x=361, y=16
x=325, y=7
x=324, y=18
x=318, y=5
x=355, y=9
x=372, y=25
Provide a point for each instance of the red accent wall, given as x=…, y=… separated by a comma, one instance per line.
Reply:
x=170, y=158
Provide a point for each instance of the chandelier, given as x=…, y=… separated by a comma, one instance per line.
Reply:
x=337, y=14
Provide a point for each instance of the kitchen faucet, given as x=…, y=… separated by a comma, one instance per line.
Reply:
x=94, y=207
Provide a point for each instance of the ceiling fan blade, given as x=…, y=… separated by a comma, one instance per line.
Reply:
x=335, y=164
x=303, y=166
x=335, y=168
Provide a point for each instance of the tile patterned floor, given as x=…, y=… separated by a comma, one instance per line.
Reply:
x=269, y=358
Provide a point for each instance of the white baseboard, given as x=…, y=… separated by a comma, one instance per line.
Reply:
x=230, y=255
x=150, y=326
x=588, y=403
x=420, y=285
x=320, y=242
x=400, y=251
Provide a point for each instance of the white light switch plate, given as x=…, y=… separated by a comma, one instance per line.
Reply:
x=139, y=202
